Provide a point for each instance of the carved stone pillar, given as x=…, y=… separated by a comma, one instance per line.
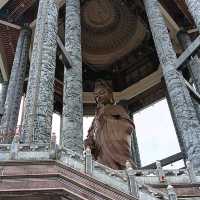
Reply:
x=193, y=65
x=15, y=87
x=185, y=113
x=135, y=150
x=194, y=8
x=178, y=133
x=39, y=98
x=3, y=92
x=134, y=145
x=72, y=124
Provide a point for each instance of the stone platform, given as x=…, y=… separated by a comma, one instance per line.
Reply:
x=47, y=171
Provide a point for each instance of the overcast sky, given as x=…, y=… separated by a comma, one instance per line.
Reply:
x=156, y=134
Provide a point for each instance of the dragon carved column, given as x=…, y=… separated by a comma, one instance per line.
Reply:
x=184, y=111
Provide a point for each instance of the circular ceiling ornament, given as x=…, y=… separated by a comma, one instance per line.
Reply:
x=110, y=30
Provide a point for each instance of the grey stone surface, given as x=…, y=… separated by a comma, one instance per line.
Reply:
x=54, y=148
x=135, y=149
x=134, y=145
x=72, y=159
x=188, y=53
x=178, y=131
x=72, y=124
x=88, y=161
x=185, y=113
x=193, y=65
x=191, y=172
x=160, y=172
x=16, y=82
x=39, y=98
x=133, y=186
x=14, y=147
x=171, y=193
x=194, y=8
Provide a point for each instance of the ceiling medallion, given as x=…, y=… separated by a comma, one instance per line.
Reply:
x=110, y=30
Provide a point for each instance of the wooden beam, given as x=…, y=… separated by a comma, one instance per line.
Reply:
x=3, y=3
x=166, y=161
x=132, y=91
x=60, y=3
x=170, y=21
x=172, y=26
x=65, y=56
x=2, y=69
x=3, y=62
x=127, y=94
x=194, y=30
x=184, y=9
x=10, y=24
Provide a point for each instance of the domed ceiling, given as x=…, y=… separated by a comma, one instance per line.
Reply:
x=110, y=30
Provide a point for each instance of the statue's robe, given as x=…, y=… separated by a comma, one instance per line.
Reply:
x=109, y=136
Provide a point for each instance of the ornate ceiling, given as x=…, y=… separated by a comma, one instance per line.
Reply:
x=110, y=30
x=116, y=42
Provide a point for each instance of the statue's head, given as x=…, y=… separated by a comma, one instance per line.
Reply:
x=103, y=93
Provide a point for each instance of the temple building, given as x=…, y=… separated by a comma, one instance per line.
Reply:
x=52, y=53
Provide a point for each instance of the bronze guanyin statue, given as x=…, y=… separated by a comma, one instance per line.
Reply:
x=109, y=136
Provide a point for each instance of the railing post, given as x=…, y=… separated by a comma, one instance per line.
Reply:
x=191, y=172
x=133, y=187
x=88, y=161
x=160, y=172
x=14, y=147
x=53, y=147
x=171, y=193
